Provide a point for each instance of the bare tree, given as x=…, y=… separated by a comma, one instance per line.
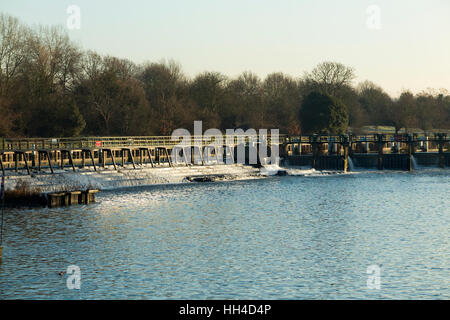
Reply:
x=92, y=65
x=282, y=99
x=330, y=77
x=13, y=37
x=207, y=90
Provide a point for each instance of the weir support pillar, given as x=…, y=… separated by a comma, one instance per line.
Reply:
x=441, y=137
x=410, y=142
x=345, y=144
x=380, y=146
x=315, y=151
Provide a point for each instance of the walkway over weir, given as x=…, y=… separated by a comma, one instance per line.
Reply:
x=36, y=153
x=320, y=151
x=12, y=144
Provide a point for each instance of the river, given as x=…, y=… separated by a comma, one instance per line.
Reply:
x=310, y=237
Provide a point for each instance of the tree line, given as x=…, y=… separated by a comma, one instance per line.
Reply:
x=49, y=87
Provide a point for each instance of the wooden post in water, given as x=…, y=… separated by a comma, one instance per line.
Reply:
x=89, y=196
x=74, y=197
x=54, y=200
x=71, y=198
x=66, y=199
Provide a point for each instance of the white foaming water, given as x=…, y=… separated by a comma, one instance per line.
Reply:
x=351, y=166
x=111, y=179
x=270, y=169
x=104, y=179
x=309, y=172
x=414, y=163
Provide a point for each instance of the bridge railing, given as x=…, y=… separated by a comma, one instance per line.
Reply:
x=12, y=144
x=367, y=138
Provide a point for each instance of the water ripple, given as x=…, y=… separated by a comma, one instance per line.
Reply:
x=277, y=238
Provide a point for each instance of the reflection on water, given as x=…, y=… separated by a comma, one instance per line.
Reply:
x=277, y=238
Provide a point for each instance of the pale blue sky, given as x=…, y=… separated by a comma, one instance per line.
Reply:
x=410, y=51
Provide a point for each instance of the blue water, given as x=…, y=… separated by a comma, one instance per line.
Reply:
x=276, y=238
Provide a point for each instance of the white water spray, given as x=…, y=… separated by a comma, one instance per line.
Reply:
x=414, y=162
x=351, y=166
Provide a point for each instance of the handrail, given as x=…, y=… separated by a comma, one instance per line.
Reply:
x=11, y=144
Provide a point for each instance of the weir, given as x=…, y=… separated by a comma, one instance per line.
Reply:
x=94, y=152
x=381, y=151
x=321, y=152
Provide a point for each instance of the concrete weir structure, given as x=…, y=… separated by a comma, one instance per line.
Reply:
x=98, y=152
x=108, y=178
x=381, y=151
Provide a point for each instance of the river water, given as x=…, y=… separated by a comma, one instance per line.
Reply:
x=277, y=238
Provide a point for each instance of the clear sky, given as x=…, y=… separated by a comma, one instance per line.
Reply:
x=410, y=50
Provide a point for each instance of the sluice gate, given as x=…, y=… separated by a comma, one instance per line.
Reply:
x=384, y=152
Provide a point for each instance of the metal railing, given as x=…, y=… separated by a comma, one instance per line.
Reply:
x=367, y=138
x=13, y=144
